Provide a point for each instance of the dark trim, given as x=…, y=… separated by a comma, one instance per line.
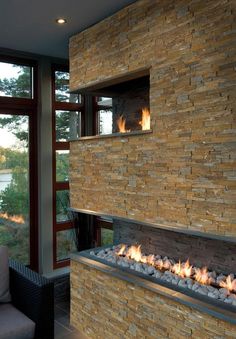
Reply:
x=67, y=106
x=62, y=145
x=62, y=185
x=56, y=146
x=64, y=225
x=62, y=263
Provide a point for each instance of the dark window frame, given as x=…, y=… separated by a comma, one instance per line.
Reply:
x=61, y=145
x=100, y=223
x=96, y=109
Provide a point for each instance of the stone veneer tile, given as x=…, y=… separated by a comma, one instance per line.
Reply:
x=183, y=174
x=103, y=306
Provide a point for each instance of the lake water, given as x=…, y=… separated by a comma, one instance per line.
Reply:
x=5, y=179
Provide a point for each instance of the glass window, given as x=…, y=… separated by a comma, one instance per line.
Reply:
x=62, y=88
x=105, y=121
x=68, y=125
x=62, y=165
x=62, y=205
x=105, y=115
x=65, y=244
x=106, y=236
x=104, y=101
x=14, y=186
x=16, y=81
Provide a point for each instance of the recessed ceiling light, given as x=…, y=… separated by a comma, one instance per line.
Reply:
x=61, y=21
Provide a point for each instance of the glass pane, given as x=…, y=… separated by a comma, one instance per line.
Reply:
x=62, y=165
x=62, y=88
x=68, y=125
x=15, y=80
x=65, y=244
x=106, y=236
x=62, y=205
x=14, y=186
x=105, y=121
x=104, y=101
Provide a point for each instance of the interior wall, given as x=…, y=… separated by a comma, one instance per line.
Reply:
x=183, y=174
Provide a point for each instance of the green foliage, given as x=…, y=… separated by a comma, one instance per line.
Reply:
x=62, y=204
x=14, y=199
x=17, y=240
x=18, y=87
x=12, y=158
x=62, y=125
x=62, y=85
x=62, y=167
x=106, y=236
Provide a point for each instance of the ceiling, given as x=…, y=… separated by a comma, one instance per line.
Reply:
x=29, y=25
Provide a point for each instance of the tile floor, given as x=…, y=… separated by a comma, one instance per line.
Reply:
x=63, y=329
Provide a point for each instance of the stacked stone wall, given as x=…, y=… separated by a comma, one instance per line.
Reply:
x=184, y=173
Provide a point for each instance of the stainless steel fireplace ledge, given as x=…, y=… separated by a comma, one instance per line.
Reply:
x=201, y=303
x=112, y=135
x=182, y=230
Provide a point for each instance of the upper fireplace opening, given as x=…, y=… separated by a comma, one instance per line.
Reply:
x=122, y=103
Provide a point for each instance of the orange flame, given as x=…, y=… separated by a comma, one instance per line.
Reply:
x=122, y=250
x=145, y=122
x=183, y=270
x=202, y=276
x=14, y=218
x=229, y=284
x=121, y=124
x=150, y=259
x=134, y=252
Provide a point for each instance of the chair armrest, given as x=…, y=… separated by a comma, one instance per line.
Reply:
x=33, y=295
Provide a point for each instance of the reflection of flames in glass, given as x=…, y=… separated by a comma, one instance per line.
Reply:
x=14, y=218
x=183, y=269
x=145, y=122
x=121, y=124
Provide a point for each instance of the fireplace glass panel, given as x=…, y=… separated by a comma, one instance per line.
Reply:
x=106, y=236
x=65, y=244
x=68, y=125
x=62, y=165
x=62, y=205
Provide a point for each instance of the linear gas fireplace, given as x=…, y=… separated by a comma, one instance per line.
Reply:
x=148, y=270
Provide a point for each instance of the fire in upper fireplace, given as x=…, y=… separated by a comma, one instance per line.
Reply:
x=123, y=103
x=121, y=125
x=145, y=122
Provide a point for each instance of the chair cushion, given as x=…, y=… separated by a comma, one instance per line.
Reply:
x=14, y=324
x=4, y=275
